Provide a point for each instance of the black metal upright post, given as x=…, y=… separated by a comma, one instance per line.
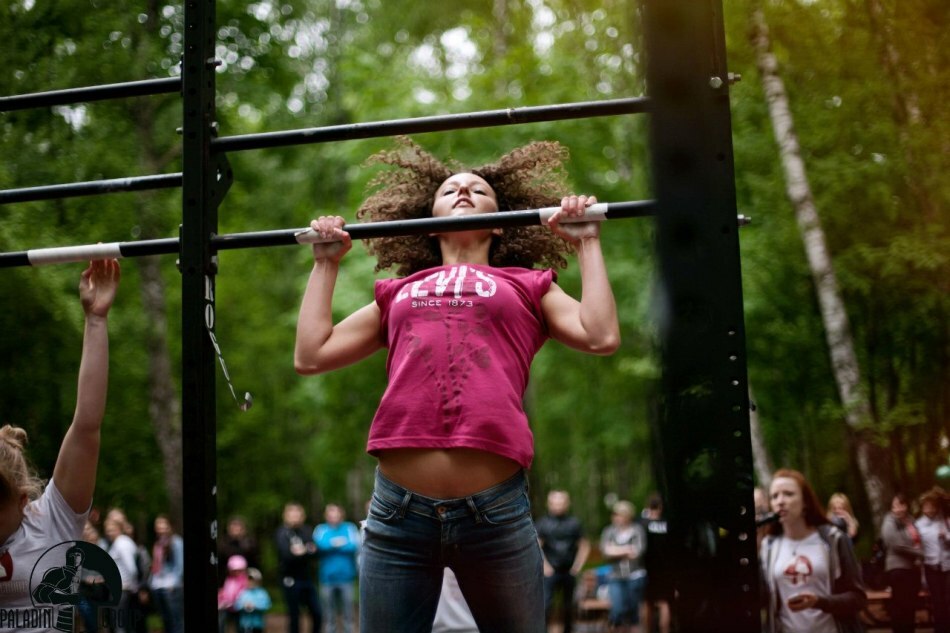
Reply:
x=200, y=198
x=703, y=419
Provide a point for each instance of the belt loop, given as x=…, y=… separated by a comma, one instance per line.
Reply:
x=474, y=509
x=404, y=504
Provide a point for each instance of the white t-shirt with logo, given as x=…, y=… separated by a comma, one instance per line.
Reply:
x=47, y=522
x=800, y=566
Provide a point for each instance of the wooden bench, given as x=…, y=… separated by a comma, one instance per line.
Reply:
x=875, y=613
x=592, y=616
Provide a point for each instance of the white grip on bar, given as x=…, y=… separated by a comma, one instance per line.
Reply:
x=66, y=254
x=593, y=213
x=309, y=236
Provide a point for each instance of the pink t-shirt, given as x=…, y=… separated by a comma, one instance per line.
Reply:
x=461, y=340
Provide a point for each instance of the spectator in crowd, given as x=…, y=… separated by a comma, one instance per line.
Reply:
x=228, y=593
x=138, y=598
x=167, y=579
x=296, y=554
x=905, y=554
x=841, y=515
x=623, y=543
x=658, y=592
x=253, y=603
x=934, y=529
x=565, y=550
x=122, y=549
x=88, y=611
x=237, y=541
x=337, y=547
x=812, y=578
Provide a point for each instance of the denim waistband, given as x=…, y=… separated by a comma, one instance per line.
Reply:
x=446, y=509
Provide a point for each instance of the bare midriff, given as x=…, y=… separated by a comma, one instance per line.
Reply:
x=445, y=473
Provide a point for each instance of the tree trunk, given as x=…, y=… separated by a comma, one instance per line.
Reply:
x=844, y=363
x=164, y=408
x=906, y=107
x=760, y=457
x=164, y=404
x=500, y=44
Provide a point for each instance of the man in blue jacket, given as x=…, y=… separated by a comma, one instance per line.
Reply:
x=337, y=546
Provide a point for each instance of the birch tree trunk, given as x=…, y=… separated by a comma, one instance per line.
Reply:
x=844, y=362
x=760, y=457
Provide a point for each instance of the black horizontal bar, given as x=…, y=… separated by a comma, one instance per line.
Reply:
x=422, y=226
x=67, y=254
x=90, y=188
x=284, y=237
x=419, y=125
x=510, y=116
x=90, y=93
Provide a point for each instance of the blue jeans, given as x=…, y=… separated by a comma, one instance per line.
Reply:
x=488, y=539
x=336, y=598
x=171, y=606
x=625, y=596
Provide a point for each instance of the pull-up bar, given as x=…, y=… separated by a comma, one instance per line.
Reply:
x=374, y=129
x=90, y=93
x=439, y=123
x=91, y=188
x=283, y=237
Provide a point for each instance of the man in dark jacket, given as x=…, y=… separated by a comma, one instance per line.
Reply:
x=565, y=551
x=296, y=557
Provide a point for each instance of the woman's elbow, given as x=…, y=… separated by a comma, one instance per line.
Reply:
x=606, y=344
x=307, y=366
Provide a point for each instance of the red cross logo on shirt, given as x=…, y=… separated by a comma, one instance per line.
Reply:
x=799, y=570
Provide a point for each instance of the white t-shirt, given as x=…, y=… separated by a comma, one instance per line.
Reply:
x=935, y=553
x=47, y=522
x=802, y=565
x=122, y=551
x=453, y=613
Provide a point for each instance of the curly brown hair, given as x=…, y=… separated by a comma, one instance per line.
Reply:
x=529, y=177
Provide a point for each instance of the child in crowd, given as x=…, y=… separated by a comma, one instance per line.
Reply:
x=252, y=604
x=234, y=584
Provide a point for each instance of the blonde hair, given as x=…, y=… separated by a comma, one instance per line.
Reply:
x=840, y=497
x=17, y=476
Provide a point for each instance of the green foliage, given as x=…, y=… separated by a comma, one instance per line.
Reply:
x=889, y=253
x=308, y=64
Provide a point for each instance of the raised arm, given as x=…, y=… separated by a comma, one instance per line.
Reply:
x=75, y=471
x=322, y=346
x=589, y=325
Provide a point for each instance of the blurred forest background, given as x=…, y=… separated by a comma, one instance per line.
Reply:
x=868, y=86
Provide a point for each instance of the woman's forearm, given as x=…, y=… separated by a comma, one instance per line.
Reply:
x=598, y=311
x=315, y=321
